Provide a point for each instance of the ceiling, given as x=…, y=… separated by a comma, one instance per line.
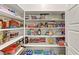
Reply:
x=45, y=7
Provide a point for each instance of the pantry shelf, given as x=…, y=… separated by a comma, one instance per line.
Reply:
x=13, y=40
x=48, y=28
x=45, y=36
x=19, y=51
x=45, y=20
x=11, y=29
x=42, y=45
x=10, y=15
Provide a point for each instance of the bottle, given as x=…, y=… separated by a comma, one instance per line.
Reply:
x=46, y=24
x=39, y=32
x=26, y=40
x=29, y=32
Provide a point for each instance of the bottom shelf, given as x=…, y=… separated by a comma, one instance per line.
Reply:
x=42, y=45
x=43, y=51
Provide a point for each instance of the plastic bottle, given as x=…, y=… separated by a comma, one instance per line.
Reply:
x=39, y=32
x=46, y=24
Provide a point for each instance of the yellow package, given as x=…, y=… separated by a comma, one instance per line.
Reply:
x=1, y=37
x=50, y=41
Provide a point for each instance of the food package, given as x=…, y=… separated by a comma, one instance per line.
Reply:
x=36, y=40
x=6, y=36
x=13, y=34
x=38, y=51
x=61, y=43
x=48, y=52
x=50, y=41
x=1, y=37
x=1, y=24
x=29, y=52
x=11, y=49
x=14, y=24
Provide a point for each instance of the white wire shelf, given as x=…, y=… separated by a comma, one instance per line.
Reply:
x=47, y=28
x=42, y=45
x=44, y=36
x=19, y=51
x=12, y=40
x=44, y=20
x=11, y=29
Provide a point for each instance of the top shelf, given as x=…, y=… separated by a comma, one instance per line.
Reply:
x=10, y=15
